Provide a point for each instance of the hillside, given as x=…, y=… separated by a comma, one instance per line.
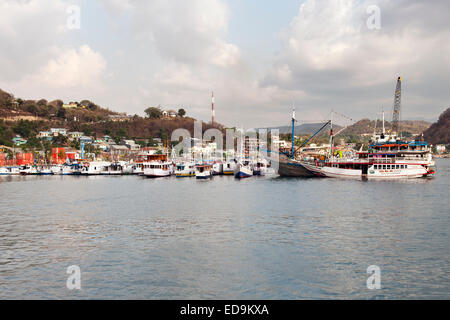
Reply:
x=28, y=117
x=12, y=108
x=439, y=132
x=407, y=127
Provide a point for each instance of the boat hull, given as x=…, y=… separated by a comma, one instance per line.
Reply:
x=292, y=168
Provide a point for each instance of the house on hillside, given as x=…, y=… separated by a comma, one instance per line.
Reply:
x=45, y=135
x=71, y=105
x=18, y=140
x=169, y=114
x=58, y=132
x=85, y=140
x=75, y=135
x=119, y=117
x=119, y=150
x=131, y=145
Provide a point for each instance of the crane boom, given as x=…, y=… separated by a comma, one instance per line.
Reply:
x=397, y=104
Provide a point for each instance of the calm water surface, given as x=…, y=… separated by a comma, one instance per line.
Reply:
x=260, y=238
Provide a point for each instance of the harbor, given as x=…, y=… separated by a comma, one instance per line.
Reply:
x=255, y=238
x=224, y=159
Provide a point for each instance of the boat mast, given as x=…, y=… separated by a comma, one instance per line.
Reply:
x=331, y=134
x=293, y=132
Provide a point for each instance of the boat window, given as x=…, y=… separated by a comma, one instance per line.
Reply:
x=384, y=167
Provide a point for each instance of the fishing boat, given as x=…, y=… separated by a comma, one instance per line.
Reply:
x=185, y=169
x=45, y=170
x=288, y=165
x=56, y=169
x=127, y=167
x=9, y=171
x=203, y=171
x=28, y=170
x=244, y=169
x=217, y=168
x=229, y=167
x=260, y=167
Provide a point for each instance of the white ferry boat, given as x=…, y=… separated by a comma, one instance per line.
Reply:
x=388, y=157
x=157, y=165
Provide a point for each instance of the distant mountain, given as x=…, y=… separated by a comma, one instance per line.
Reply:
x=305, y=128
x=439, y=132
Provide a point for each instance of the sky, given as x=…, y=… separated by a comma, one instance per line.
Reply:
x=260, y=57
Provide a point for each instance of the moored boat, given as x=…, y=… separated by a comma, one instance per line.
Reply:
x=95, y=168
x=217, y=168
x=243, y=169
x=28, y=170
x=203, y=171
x=228, y=167
x=157, y=169
x=185, y=169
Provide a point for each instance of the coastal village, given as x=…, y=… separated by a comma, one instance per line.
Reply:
x=103, y=142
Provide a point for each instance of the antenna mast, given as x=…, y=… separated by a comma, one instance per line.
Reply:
x=212, y=107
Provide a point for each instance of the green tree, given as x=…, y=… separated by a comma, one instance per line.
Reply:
x=163, y=134
x=151, y=142
x=61, y=113
x=60, y=140
x=23, y=128
x=33, y=143
x=153, y=113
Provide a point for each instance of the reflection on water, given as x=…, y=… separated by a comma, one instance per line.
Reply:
x=260, y=238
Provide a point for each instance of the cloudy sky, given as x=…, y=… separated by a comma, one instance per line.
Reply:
x=258, y=56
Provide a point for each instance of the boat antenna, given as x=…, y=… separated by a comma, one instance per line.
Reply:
x=293, y=131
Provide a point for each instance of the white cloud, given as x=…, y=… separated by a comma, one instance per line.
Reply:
x=73, y=69
x=71, y=72
x=28, y=29
x=176, y=52
x=329, y=52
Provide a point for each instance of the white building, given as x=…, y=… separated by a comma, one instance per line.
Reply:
x=58, y=131
x=440, y=148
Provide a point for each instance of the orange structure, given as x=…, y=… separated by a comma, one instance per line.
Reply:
x=58, y=155
x=24, y=159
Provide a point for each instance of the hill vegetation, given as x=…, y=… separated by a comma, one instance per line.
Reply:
x=439, y=132
x=28, y=117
